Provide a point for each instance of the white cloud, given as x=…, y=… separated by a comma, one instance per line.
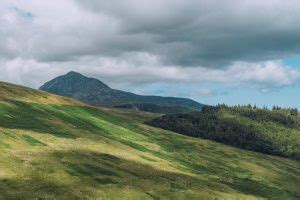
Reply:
x=203, y=92
x=147, y=69
x=268, y=74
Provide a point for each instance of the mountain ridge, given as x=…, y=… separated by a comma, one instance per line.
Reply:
x=94, y=92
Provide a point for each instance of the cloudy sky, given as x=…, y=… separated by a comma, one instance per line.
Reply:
x=231, y=51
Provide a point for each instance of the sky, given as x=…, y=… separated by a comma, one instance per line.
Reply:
x=230, y=51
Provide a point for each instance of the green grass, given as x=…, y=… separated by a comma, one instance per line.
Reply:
x=32, y=141
x=56, y=148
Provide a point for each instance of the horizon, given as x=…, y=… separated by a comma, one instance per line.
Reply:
x=260, y=107
x=232, y=52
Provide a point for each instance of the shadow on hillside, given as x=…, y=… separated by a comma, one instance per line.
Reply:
x=90, y=171
x=34, y=188
x=42, y=118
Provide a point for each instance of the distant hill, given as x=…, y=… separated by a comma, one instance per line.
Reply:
x=52, y=147
x=96, y=93
x=275, y=132
x=156, y=108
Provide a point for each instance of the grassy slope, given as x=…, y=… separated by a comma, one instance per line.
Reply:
x=54, y=147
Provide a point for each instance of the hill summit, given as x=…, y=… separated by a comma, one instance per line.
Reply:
x=96, y=93
x=74, y=84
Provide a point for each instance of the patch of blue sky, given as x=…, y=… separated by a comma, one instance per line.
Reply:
x=23, y=13
x=292, y=62
x=214, y=93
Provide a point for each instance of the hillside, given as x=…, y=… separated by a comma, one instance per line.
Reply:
x=57, y=148
x=156, y=108
x=96, y=93
x=275, y=132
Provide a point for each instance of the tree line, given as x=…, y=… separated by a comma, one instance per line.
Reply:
x=272, y=131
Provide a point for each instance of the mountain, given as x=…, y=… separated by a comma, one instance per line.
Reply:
x=96, y=93
x=53, y=147
x=274, y=132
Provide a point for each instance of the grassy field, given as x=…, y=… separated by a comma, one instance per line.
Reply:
x=56, y=148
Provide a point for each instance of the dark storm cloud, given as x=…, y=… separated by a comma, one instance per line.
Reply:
x=206, y=33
